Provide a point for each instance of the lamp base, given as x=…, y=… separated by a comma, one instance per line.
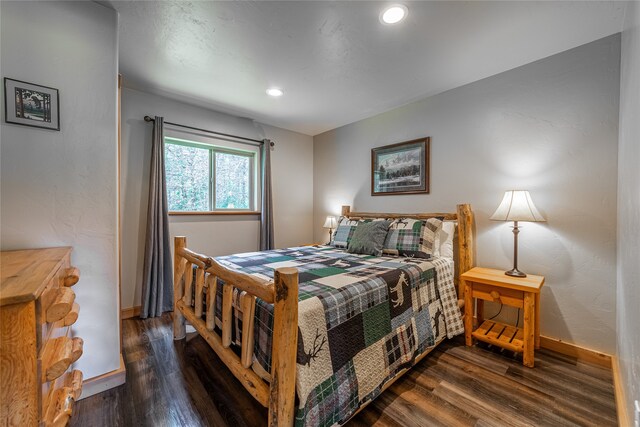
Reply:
x=515, y=273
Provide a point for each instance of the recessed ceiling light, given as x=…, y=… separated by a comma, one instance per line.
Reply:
x=274, y=91
x=393, y=14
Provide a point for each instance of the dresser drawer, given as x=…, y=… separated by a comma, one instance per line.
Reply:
x=59, y=311
x=57, y=306
x=504, y=296
x=59, y=355
x=59, y=407
x=59, y=399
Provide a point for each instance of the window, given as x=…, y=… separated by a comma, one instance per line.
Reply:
x=203, y=178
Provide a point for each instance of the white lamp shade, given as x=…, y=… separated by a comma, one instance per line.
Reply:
x=330, y=222
x=517, y=206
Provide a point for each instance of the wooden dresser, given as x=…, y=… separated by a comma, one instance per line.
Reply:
x=37, y=347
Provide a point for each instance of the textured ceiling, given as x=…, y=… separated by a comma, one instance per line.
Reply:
x=336, y=63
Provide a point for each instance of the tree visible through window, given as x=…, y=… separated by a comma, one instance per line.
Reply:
x=232, y=181
x=204, y=178
x=187, y=175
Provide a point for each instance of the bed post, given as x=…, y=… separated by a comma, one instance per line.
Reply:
x=346, y=209
x=179, y=330
x=465, y=240
x=285, y=346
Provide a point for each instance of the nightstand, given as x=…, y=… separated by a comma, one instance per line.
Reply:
x=487, y=284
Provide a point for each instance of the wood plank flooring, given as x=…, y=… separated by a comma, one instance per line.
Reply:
x=180, y=383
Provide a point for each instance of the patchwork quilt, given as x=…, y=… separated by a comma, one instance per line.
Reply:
x=361, y=320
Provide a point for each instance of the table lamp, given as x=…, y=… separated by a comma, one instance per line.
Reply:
x=516, y=206
x=330, y=223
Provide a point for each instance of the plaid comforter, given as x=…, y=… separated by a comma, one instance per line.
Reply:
x=361, y=320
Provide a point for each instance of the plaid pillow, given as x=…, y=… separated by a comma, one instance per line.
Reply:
x=368, y=238
x=412, y=237
x=344, y=232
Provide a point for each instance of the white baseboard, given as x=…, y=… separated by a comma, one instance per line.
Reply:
x=104, y=382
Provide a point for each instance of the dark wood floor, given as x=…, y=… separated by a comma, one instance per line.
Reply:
x=179, y=383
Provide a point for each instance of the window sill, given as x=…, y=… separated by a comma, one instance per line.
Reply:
x=178, y=213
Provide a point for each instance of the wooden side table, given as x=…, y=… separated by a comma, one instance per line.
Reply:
x=487, y=284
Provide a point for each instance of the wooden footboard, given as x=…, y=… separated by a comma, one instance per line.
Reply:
x=282, y=292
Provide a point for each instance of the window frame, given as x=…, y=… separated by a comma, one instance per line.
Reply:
x=252, y=155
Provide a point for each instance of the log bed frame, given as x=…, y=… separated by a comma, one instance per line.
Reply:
x=277, y=389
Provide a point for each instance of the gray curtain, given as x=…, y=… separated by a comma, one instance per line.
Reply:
x=266, y=216
x=157, y=281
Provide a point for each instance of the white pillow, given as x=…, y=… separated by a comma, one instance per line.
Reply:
x=445, y=238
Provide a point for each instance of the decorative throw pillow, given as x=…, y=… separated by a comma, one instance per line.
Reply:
x=412, y=237
x=446, y=239
x=343, y=233
x=368, y=238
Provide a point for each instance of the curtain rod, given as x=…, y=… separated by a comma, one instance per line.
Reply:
x=258, y=141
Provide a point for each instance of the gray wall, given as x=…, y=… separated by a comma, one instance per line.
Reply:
x=59, y=188
x=550, y=127
x=292, y=176
x=629, y=208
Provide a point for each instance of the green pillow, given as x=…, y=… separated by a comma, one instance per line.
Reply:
x=368, y=238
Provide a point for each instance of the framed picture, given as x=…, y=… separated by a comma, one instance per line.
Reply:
x=400, y=168
x=29, y=104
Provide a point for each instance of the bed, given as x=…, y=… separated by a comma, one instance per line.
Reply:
x=315, y=333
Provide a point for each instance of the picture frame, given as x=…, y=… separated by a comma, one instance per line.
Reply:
x=401, y=168
x=30, y=104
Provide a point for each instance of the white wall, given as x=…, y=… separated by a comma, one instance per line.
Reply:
x=292, y=176
x=59, y=188
x=550, y=127
x=629, y=208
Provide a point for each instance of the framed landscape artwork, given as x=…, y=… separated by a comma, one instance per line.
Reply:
x=29, y=104
x=400, y=168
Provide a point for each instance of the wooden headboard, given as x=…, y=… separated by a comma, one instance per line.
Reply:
x=464, y=256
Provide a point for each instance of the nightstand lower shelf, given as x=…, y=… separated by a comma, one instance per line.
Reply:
x=505, y=336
